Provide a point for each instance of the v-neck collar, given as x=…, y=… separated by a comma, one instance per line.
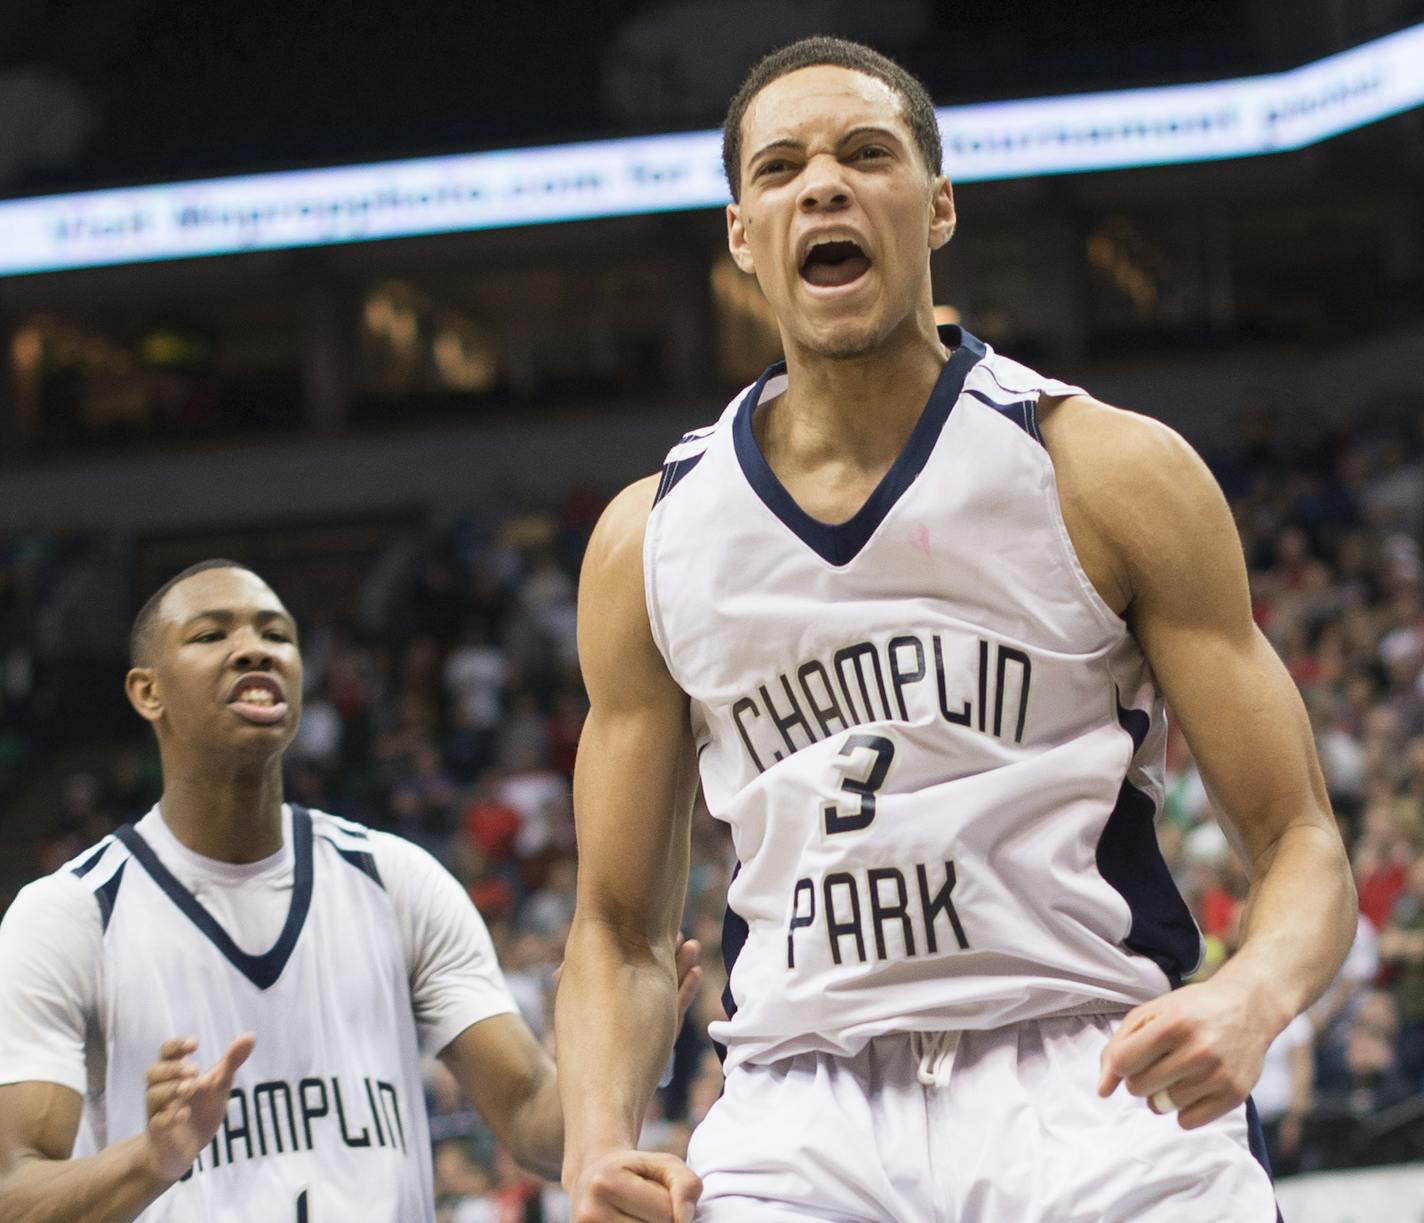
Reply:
x=262, y=970
x=839, y=543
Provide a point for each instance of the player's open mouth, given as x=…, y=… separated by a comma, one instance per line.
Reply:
x=258, y=698
x=832, y=263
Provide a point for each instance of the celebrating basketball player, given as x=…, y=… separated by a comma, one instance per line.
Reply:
x=913, y=610
x=307, y=958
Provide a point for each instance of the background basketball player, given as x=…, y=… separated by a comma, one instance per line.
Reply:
x=913, y=609
x=310, y=957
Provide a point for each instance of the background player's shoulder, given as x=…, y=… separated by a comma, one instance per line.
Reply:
x=61, y=890
x=78, y=905
x=89, y=882
x=336, y=827
x=408, y=871
x=354, y=843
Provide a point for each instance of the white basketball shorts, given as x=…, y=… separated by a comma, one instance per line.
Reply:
x=1013, y=1132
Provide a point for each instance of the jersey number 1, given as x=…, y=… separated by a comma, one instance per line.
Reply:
x=862, y=788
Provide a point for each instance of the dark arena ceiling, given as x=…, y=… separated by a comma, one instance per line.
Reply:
x=145, y=90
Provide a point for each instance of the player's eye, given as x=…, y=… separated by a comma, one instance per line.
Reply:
x=274, y=634
x=872, y=152
x=211, y=634
x=771, y=167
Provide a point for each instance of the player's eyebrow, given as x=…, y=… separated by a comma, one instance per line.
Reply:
x=786, y=142
x=871, y=129
x=796, y=146
x=224, y=615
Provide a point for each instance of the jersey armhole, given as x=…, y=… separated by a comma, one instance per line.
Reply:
x=650, y=591
x=1091, y=596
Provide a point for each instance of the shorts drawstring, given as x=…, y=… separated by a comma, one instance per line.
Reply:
x=935, y=1051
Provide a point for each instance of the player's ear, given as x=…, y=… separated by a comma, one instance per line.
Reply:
x=737, y=240
x=141, y=687
x=942, y=215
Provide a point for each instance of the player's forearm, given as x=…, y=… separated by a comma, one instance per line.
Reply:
x=1300, y=920
x=537, y=1141
x=114, y=1186
x=616, y=1021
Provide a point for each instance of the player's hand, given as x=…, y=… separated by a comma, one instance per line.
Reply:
x=185, y=1108
x=1202, y=1044
x=689, y=975
x=635, y=1185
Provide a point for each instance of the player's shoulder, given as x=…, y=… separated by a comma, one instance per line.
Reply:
x=626, y=514
x=615, y=549
x=684, y=459
x=79, y=894
x=53, y=893
x=623, y=524
x=1135, y=494
x=1097, y=429
x=98, y=871
x=337, y=829
x=1118, y=463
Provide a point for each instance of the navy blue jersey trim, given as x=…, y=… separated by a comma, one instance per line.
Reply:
x=262, y=970
x=1256, y=1140
x=734, y=938
x=91, y=859
x=107, y=894
x=840, y=543
x=1130, y=859
x=363, y=862
x=1023, y=413
x=347, y=828
x=1256, y=1137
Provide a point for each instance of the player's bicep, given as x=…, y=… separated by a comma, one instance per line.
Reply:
x=1235, y=701
x=634, y=776
x=37, y=1121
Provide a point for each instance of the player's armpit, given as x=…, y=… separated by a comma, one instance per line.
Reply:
x=633, y=791
x=508, y=1077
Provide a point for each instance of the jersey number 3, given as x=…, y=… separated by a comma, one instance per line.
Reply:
x=863, y=788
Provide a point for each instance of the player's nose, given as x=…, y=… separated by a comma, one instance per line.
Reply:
x=252, y=651
x=823, y=185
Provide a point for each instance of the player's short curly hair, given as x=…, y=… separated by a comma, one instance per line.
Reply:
x=840, y=53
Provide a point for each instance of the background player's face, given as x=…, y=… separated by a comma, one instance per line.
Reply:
x=227, y=672
x=827, y=152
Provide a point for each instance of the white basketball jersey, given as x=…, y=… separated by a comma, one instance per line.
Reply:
x=939, y=751
x=326, y=1119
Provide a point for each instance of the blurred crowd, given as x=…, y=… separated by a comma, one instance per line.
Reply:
x=1331, y=518
x=457, y=722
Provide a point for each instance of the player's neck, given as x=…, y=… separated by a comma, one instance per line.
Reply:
x=227, y=814
x=864, y=406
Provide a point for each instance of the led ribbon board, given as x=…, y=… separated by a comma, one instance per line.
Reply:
x=604, y=178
